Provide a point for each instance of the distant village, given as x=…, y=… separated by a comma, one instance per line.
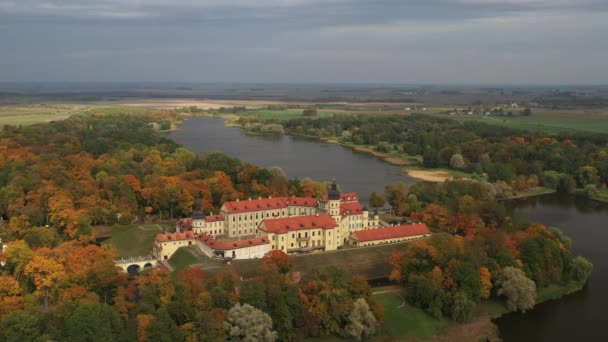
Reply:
x=248, y=229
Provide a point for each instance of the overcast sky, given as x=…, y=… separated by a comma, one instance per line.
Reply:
x=385, y=41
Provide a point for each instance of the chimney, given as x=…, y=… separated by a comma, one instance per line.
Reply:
x=250, y=198
x=270, y=196
x=237, y=199
x=260, y=197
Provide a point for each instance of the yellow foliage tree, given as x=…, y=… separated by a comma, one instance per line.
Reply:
x=485, y=278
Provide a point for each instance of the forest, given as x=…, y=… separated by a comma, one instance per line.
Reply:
x=569, y=162
x=60, y=179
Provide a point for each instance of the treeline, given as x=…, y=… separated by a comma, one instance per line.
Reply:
x=566, y=161
x=75, y=293
x=480, y=253
x=104, y=169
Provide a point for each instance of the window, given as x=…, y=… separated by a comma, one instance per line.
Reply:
x=292, y=244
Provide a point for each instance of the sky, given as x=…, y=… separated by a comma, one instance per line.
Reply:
x=309, y=41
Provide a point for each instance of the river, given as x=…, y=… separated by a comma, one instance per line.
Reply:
x=579, y=316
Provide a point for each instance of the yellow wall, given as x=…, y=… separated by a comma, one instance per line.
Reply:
x=353, y=241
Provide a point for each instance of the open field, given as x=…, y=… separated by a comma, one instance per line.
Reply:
x=282, y=114
x=548, y=120
x=370, y=262
x=132, y=241
x=35, y=113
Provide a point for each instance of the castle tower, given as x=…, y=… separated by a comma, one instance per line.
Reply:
x=198, y=215
x=333, y=197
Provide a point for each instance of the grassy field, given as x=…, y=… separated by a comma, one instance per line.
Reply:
x=549, y=121
x=284, y=114
x=190, y=256
x=370, y=262
x=403, y=320
x=35, y=113
x=133, y=241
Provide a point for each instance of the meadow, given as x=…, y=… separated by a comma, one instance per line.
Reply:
x=548, y=120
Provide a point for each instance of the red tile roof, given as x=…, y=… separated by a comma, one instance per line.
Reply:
x=175, y=236
x=353, y=208
x=302, y=201
x=391, y=232
x=346, y=197
x=285, y=224
x=229, y=245
x=185, y=224
x=267, y=204
x=214, y=218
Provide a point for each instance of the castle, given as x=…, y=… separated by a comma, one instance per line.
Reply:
x=250, y=228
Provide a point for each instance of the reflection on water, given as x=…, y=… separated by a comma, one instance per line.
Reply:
x=580, y=316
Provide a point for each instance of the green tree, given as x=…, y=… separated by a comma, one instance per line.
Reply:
x=163, y=329
x=519, y=289
x=246, y=323
x=93, y=322
x=19, y=326
x=462, y=307
x=253, y=292
x=361, y=321
x=580, y=269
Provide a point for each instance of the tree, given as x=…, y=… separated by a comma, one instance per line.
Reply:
x=361, y=321
x=45, y=273
x=580, y=269
x=19, y=326
x=163, y=329
x=519, y=289
x=526, y=112
x=462, y=307
x=278, y=259
x=93, y=322
x=485, y=278
x=309, y=112
x=457, y=161
x=246, y=323
x=376, y=200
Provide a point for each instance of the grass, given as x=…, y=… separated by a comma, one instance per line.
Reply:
x=549, y=121
x=36, y=113
x=186, y=257
x=132, y=241
x=283, y=114
x=403, y=320
x=370, y=262
x=556, y=291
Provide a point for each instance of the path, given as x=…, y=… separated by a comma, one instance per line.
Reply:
x=393, y=289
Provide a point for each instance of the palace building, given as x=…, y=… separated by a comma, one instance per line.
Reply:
x=250, y=228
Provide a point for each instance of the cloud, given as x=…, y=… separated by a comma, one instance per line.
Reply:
x=129, y=9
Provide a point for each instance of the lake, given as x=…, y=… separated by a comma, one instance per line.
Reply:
x=297, y=156
x=577, y=317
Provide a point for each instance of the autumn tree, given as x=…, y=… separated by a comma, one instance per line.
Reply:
x=45, y=273
x=246, y=323
x=519, y=289
x=485, y=278
x=278, y=259
x=376, y=200
x=361, y=321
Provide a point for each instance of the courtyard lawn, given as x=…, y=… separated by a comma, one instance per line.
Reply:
x=402, y=319
x=132, y=241
x=189, y=256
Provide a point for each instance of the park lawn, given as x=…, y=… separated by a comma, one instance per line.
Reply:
x=402, y=319
x=131, y=241
x=189, y=256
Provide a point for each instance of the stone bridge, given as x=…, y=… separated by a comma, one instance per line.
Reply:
x=135, y=264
